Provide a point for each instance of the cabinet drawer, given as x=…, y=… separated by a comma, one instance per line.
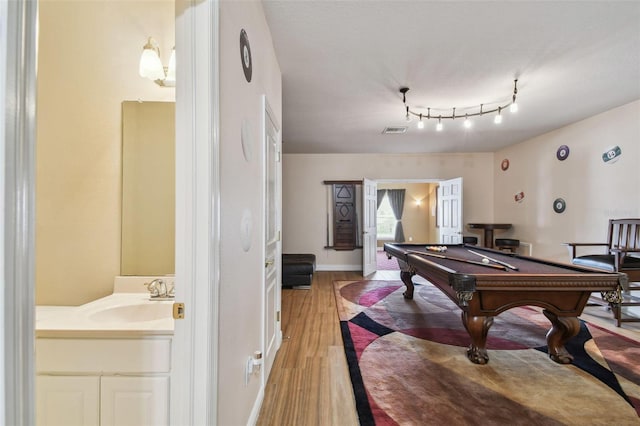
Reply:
x=103, y=355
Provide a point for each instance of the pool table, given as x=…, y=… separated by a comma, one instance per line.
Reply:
x=484, y=288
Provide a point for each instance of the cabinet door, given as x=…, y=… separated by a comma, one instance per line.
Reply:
x=134, y=401
x=67, y=400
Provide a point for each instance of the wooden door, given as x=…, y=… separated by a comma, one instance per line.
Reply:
x=344, y=216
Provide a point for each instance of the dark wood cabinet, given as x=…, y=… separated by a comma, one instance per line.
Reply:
x=344, y=216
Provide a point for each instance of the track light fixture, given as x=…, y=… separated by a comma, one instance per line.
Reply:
x=513, y=107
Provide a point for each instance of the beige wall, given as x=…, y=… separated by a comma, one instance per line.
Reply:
x=87, y=65
x=304, y=195
x=416, y=219
x=241, y=272
x=594, y=191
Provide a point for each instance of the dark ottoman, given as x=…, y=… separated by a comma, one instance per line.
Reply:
x=297, y=270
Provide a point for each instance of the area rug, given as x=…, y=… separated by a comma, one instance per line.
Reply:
x=408, y=365
x=383, y=263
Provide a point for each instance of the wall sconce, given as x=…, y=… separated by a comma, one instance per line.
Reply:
x=418, y=201
x=151, y=67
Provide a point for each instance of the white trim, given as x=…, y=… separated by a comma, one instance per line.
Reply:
x=194, y=378
x=383, y=181
x=339, y=267
x=18, y=85
x=257, y=405
x=267, y=114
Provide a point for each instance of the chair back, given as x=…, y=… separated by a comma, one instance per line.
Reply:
x=624, y=234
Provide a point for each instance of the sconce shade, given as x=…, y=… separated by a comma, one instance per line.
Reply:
x=171, y=71
x=150, y=64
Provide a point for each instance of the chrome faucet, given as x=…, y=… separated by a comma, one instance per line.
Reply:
x=158, y=289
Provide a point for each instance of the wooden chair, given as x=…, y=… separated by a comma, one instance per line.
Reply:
x=621, y=254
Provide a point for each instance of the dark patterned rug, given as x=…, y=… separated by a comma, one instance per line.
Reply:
x=408, y=365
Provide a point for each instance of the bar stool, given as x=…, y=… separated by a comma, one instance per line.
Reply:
x=470, y=240
x=508, y=244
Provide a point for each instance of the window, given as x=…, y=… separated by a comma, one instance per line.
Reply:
x=386, y=220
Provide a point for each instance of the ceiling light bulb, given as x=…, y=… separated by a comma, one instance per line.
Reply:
x=467, y=123
x=439, y=126
x=420, y=124
x=498, y=118
x=513, y=107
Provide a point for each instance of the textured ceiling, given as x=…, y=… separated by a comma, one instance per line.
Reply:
x=343, y=63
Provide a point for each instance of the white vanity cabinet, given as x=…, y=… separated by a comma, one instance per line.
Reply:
x=103, y=381
x=68, y=400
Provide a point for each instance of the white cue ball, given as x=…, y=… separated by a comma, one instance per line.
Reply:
x=485, y=260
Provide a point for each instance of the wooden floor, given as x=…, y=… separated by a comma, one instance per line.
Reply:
x=309, y=383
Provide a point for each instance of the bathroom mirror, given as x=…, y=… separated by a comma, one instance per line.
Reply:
x=148, y=188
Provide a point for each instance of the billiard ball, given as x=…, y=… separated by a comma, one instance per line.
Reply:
x=485, y=260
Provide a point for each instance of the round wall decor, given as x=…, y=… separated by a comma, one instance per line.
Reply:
x=519, y=197
x=245, y=55
x=612, y=155
x=562, y=153
x=559, y=205
x=504, y=165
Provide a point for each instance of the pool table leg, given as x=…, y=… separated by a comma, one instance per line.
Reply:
x=562, y=329
x=405, y=276
x=478, y=328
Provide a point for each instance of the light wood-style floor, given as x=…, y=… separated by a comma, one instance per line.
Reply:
x=309, y=383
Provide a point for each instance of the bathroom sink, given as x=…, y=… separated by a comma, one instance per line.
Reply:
x=134, y=313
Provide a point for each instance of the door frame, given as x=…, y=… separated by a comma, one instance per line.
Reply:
x=268, y=115
x=194, y=370
x=18, y=35
x=194, y=378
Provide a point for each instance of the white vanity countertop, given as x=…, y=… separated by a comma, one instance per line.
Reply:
x=121, y=314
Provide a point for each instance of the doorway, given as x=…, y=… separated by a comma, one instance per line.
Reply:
x=416, y=205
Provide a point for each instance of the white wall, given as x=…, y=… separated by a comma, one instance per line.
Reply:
x=242, y=190
x=87, y=65
x=594, y=191
x=304, y=197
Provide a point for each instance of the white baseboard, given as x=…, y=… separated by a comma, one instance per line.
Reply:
x=255, y=412
x=338, y=267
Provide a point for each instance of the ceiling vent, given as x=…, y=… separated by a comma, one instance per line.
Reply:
x=394, y=130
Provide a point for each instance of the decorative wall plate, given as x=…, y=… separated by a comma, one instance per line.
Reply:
x=559, y=205
x=612, y=155
x=519, y=197
x=562, y=153
x=245, y=55
x=505, y=164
